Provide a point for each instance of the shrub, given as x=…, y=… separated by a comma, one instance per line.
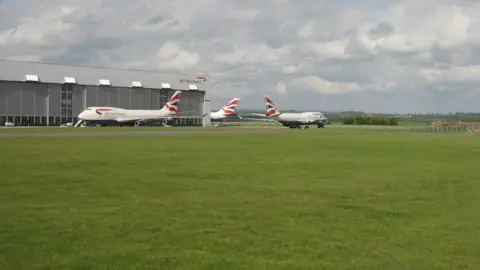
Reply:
x=348, y=120
x=370, y=120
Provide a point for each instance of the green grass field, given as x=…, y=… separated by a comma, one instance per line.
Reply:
x=117, y=128
x=316, y=199
x=233, y=125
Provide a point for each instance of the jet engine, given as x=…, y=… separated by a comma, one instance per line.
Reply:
x=139, y=123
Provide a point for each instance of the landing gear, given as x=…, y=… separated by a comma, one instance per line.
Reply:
x=80, y=123
x=295, y=126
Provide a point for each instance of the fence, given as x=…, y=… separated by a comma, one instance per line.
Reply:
x=441, y=129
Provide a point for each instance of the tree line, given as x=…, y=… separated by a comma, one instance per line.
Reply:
x=370, y=120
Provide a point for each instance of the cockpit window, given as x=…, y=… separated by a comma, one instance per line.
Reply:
x=89, y=109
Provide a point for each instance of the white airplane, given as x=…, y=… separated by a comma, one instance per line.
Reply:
x=111, y=115
x=292, y=120
x=229, y=111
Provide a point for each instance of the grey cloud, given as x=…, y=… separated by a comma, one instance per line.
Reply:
x=154, y=20
x=248, y=47
x=83, y=52
x=382, y=29
x=358, y=50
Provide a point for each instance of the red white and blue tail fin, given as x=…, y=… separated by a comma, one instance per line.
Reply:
x=173, y=103
x=231, y=107
x=270, y=109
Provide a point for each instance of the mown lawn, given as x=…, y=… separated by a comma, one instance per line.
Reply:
x=315, y=199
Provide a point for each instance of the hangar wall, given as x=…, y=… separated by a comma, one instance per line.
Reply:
x=26, y=103
x=53, y=94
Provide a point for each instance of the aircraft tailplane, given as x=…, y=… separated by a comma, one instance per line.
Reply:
x=173, y=103
x=231, y=107
x=270, y=108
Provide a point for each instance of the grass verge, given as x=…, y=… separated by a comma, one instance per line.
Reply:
x=305, y=200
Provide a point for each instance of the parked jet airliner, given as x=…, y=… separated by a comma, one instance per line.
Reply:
x=112, y=115
x=292, y=120
x=229, y=111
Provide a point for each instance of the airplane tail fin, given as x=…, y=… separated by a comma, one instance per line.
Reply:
x=270, y=109
x=231, y=107
x=173, y=103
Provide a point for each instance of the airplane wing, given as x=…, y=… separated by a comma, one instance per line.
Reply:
x=239, y=117
x=260, y=117
x=258, y=114
x=257, y=119
x=126, y=119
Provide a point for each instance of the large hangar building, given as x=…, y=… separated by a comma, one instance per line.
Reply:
x=50, y=94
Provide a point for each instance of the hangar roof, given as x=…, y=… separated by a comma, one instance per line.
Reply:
x=54, y=73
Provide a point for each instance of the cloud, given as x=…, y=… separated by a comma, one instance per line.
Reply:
x=323, y=86
x=334, y=55
x=173, y=56
x=281, y=88
x=454, y=77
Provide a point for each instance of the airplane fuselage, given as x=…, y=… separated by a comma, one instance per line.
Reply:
x=220, y=116
x=293, y=120
x=297, y=119
x=113, y=115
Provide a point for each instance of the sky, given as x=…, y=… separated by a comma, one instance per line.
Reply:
x=375, y=56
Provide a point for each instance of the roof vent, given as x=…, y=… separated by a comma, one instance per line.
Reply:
x=104, y=82
x=137, y=84
x=31, y=78
x=69, y=80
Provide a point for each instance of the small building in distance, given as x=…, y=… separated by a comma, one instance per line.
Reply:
x=50, y=94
